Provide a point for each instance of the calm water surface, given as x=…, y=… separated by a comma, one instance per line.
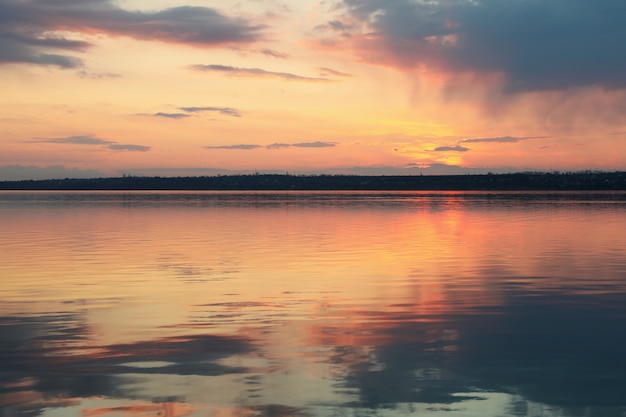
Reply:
x=312, y=304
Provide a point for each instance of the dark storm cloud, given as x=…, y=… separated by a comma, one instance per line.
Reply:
x=228, y=111
x=457, y=148
x=534, y=44
x=256, y=72
x=92, y=140
x=25, y=28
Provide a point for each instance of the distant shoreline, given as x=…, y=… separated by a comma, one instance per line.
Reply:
x=533, y=181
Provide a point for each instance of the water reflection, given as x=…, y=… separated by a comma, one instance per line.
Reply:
x=195, y=304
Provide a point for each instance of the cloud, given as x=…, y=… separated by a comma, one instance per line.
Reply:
x=534, y=45
x=27, y=28
x=325, y=72
x=317, y=144
x=171, y=115
x=503, y=139
x=274, y=54
x=97, y=374
x=456, y=148
x=132, y=148
x=256, y=72
x=78, y=140
x=228, y=111
x=36, y=48
x=242, y=146
x=97, y=75
x=32, y=172
x=92, y=140
x=339, y=26
x=278, y=145
x=335, y=26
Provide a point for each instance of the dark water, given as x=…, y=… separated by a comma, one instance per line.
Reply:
x=312, y=304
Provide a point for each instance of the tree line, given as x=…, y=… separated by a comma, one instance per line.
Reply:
x=523, y=181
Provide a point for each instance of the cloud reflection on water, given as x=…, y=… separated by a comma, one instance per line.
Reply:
x=388, y=306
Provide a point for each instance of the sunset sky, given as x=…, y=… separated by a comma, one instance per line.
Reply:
x=200, y=87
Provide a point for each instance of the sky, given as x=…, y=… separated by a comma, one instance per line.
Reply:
x=92, y=88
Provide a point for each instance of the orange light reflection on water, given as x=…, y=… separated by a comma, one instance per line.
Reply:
x=294, y=294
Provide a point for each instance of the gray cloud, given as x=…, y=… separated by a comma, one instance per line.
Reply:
x=256, y=72
x=228, y=111
x=457, y=148
x=537, y=45
x=335, y=26
x=339, y=26
x=78, y=140
x=92, y=140
x=36, y=48
x=97, y=75
x=25, y=28
x=132, y=148
x=171, y=115
x=278, y=145
x=317, y=144
x=501, y=139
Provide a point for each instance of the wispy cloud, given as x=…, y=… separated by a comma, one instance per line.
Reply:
x=256, y=72
x=77, y=140
x=91, y=140
x=278, y=145
x=274, y=54
x=228, y=111
x=317, y=144
x=457, y=148
x=189, y=111
x=241, y=146
x=335, y=26
x=326, y=72
x=171, y=115
x=501, y=139
x=97, y=75
x=26, y=28
x=133, y=148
